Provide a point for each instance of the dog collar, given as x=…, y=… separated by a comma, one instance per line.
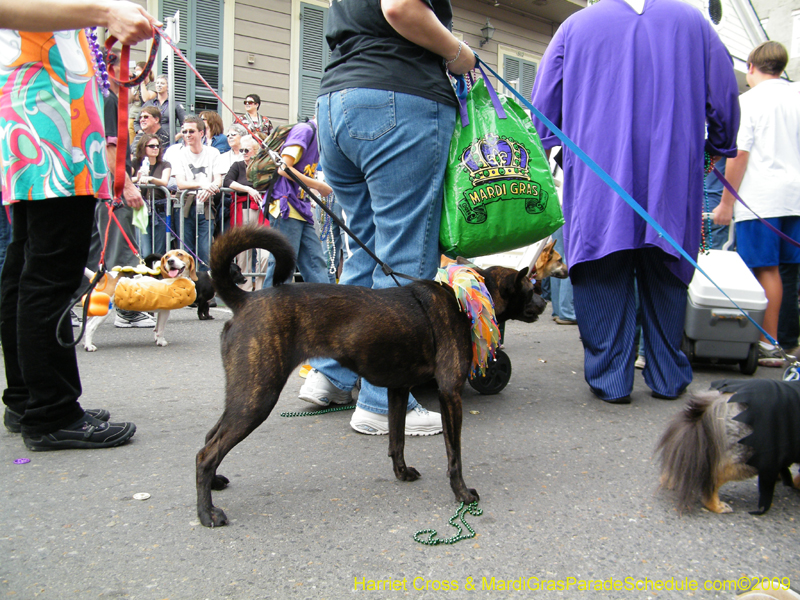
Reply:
x=475, y=300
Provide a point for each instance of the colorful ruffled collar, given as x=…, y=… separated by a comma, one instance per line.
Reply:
x=474, y=299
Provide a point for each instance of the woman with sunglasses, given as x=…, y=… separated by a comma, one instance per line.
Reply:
x=257, y=124
x=246, y=207
x=151, y=148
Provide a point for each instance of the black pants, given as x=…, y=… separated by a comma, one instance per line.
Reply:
x=43, y=268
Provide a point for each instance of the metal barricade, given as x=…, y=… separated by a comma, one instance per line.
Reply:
x=176, y=210
x=156, y=221
x=247, y=217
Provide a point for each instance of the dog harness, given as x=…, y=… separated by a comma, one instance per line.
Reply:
x=475, y=300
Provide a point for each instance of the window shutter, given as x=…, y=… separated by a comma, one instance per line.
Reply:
x=201, y=43
x=520, y=73
x=528, y=75
x=314, y=56
x=168, y=9
x=207, y=45
x=511, y=71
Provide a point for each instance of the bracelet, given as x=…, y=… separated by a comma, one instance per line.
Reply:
x=450, y=62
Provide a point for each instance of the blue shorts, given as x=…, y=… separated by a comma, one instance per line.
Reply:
x=759, y=246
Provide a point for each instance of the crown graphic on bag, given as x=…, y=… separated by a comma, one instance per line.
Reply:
x=494, y=158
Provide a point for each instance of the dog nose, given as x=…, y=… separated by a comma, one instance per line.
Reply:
x=539, y=304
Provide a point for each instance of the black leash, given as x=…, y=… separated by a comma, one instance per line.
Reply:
x=67, y=311
x=387, y=270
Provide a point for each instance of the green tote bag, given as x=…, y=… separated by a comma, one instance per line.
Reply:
x=499, y=193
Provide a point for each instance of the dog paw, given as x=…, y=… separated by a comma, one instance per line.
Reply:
x=220, y=482
x=213, y=518
x=90, y=348
x=719, y=507
x=408, y=474
x=161, y=342
x=468, y=496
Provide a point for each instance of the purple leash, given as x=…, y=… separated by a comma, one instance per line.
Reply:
x=736, y=195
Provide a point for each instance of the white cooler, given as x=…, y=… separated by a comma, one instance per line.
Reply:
x=715, y=329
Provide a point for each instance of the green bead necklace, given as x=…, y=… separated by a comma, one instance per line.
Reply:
x=463, y=509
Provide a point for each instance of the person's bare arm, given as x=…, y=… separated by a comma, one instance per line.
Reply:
x=734, y=172
x=322, y=187
x=416, y=22
x=126, y=21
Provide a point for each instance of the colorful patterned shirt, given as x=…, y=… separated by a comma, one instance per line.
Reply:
x=51, y=117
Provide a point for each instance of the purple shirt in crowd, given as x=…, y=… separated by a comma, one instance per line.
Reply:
x=634, y=92
x=286, y=190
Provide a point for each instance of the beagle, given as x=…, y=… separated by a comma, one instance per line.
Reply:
x=175, y=264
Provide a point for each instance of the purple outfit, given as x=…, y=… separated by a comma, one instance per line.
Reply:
x=634, y=92
x=287, y=191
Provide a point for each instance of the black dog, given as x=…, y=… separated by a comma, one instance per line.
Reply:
x=398, y=338
x=205, y=290
x=748, y=427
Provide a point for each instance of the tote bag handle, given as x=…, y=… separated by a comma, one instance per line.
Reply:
x=461, y=93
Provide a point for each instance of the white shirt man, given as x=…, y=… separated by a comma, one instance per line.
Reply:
x=197, y=168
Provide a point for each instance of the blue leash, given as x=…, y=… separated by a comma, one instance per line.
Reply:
x=608, y=180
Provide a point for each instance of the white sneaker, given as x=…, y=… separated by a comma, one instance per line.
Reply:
x=419, y=421
x=320, y=391
x=129, y=318
x=640, y=362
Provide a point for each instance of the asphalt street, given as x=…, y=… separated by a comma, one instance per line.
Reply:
x=568, y=489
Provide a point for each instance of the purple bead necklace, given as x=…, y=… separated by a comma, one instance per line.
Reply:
x=100, y=71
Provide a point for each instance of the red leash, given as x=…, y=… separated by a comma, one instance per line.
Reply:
x=122, y=129
x=177, y=51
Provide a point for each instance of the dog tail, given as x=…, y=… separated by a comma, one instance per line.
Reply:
x=236, y=241
x=692, y=448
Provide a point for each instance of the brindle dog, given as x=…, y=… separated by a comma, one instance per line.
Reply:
x=399, y=338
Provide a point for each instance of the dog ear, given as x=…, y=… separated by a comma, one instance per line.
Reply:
x=192, y=269
x=163, y=265
x=522, y=274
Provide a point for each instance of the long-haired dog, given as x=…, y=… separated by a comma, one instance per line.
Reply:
x=399, y=338
x=742, y=429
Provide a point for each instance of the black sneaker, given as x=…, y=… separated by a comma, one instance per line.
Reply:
x=12, y=420
x=87, y=432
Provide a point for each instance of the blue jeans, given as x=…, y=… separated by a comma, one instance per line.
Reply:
x=713, y=186
x=384, y=154
x=154, y=240
x=561, y=289
x=199, y=229
x=307, y=248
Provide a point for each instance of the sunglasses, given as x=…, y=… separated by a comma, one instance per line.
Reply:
x=156, y=146
x=232, y=134
x=245, y=151
x=248, y=102
x=189, y=131
x=145, y=117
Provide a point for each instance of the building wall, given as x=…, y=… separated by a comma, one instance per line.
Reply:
x=269, y=30
x=260, y=47
x=781, y=19
x=261, y=55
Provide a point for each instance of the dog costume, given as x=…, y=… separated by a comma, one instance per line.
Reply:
x=773, y=412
